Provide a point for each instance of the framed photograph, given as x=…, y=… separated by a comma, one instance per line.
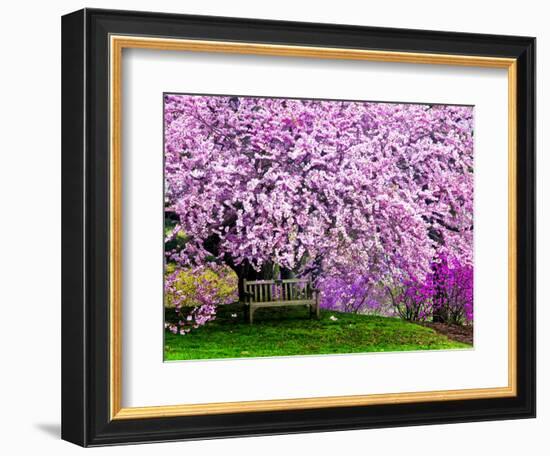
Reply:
x=279, y=227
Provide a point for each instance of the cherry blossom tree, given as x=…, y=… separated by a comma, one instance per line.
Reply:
x=318, y=188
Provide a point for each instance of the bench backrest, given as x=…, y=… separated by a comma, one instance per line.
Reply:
x=279, y=290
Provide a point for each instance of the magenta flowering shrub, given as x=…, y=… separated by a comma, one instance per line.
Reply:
x=359, y=196
x=452, y=286
x=445, y=294
x=413, y=300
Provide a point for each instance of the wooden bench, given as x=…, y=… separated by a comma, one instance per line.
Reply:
x=279, y=293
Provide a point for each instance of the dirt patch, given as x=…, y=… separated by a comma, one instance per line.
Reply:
x=464, y=334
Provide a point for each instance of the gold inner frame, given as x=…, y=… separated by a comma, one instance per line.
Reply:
x=117, y=44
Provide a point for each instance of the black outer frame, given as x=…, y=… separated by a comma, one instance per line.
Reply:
x=85, y=227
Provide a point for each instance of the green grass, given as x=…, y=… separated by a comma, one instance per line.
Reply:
x=290, y=331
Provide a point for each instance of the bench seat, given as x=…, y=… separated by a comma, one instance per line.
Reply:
x=280, y=293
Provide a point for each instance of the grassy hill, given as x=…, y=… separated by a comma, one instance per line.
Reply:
x=290, y=331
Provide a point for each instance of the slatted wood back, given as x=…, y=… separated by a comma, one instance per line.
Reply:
x=295, y=290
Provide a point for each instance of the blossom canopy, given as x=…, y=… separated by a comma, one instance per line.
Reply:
x=319, y=187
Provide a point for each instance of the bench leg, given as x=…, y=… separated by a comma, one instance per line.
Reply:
x=314, y=310
x=251, y=314
x=317, y=310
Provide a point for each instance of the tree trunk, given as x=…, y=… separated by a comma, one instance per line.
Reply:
x=246, y=272
x=439, y=314
x=269, y=271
